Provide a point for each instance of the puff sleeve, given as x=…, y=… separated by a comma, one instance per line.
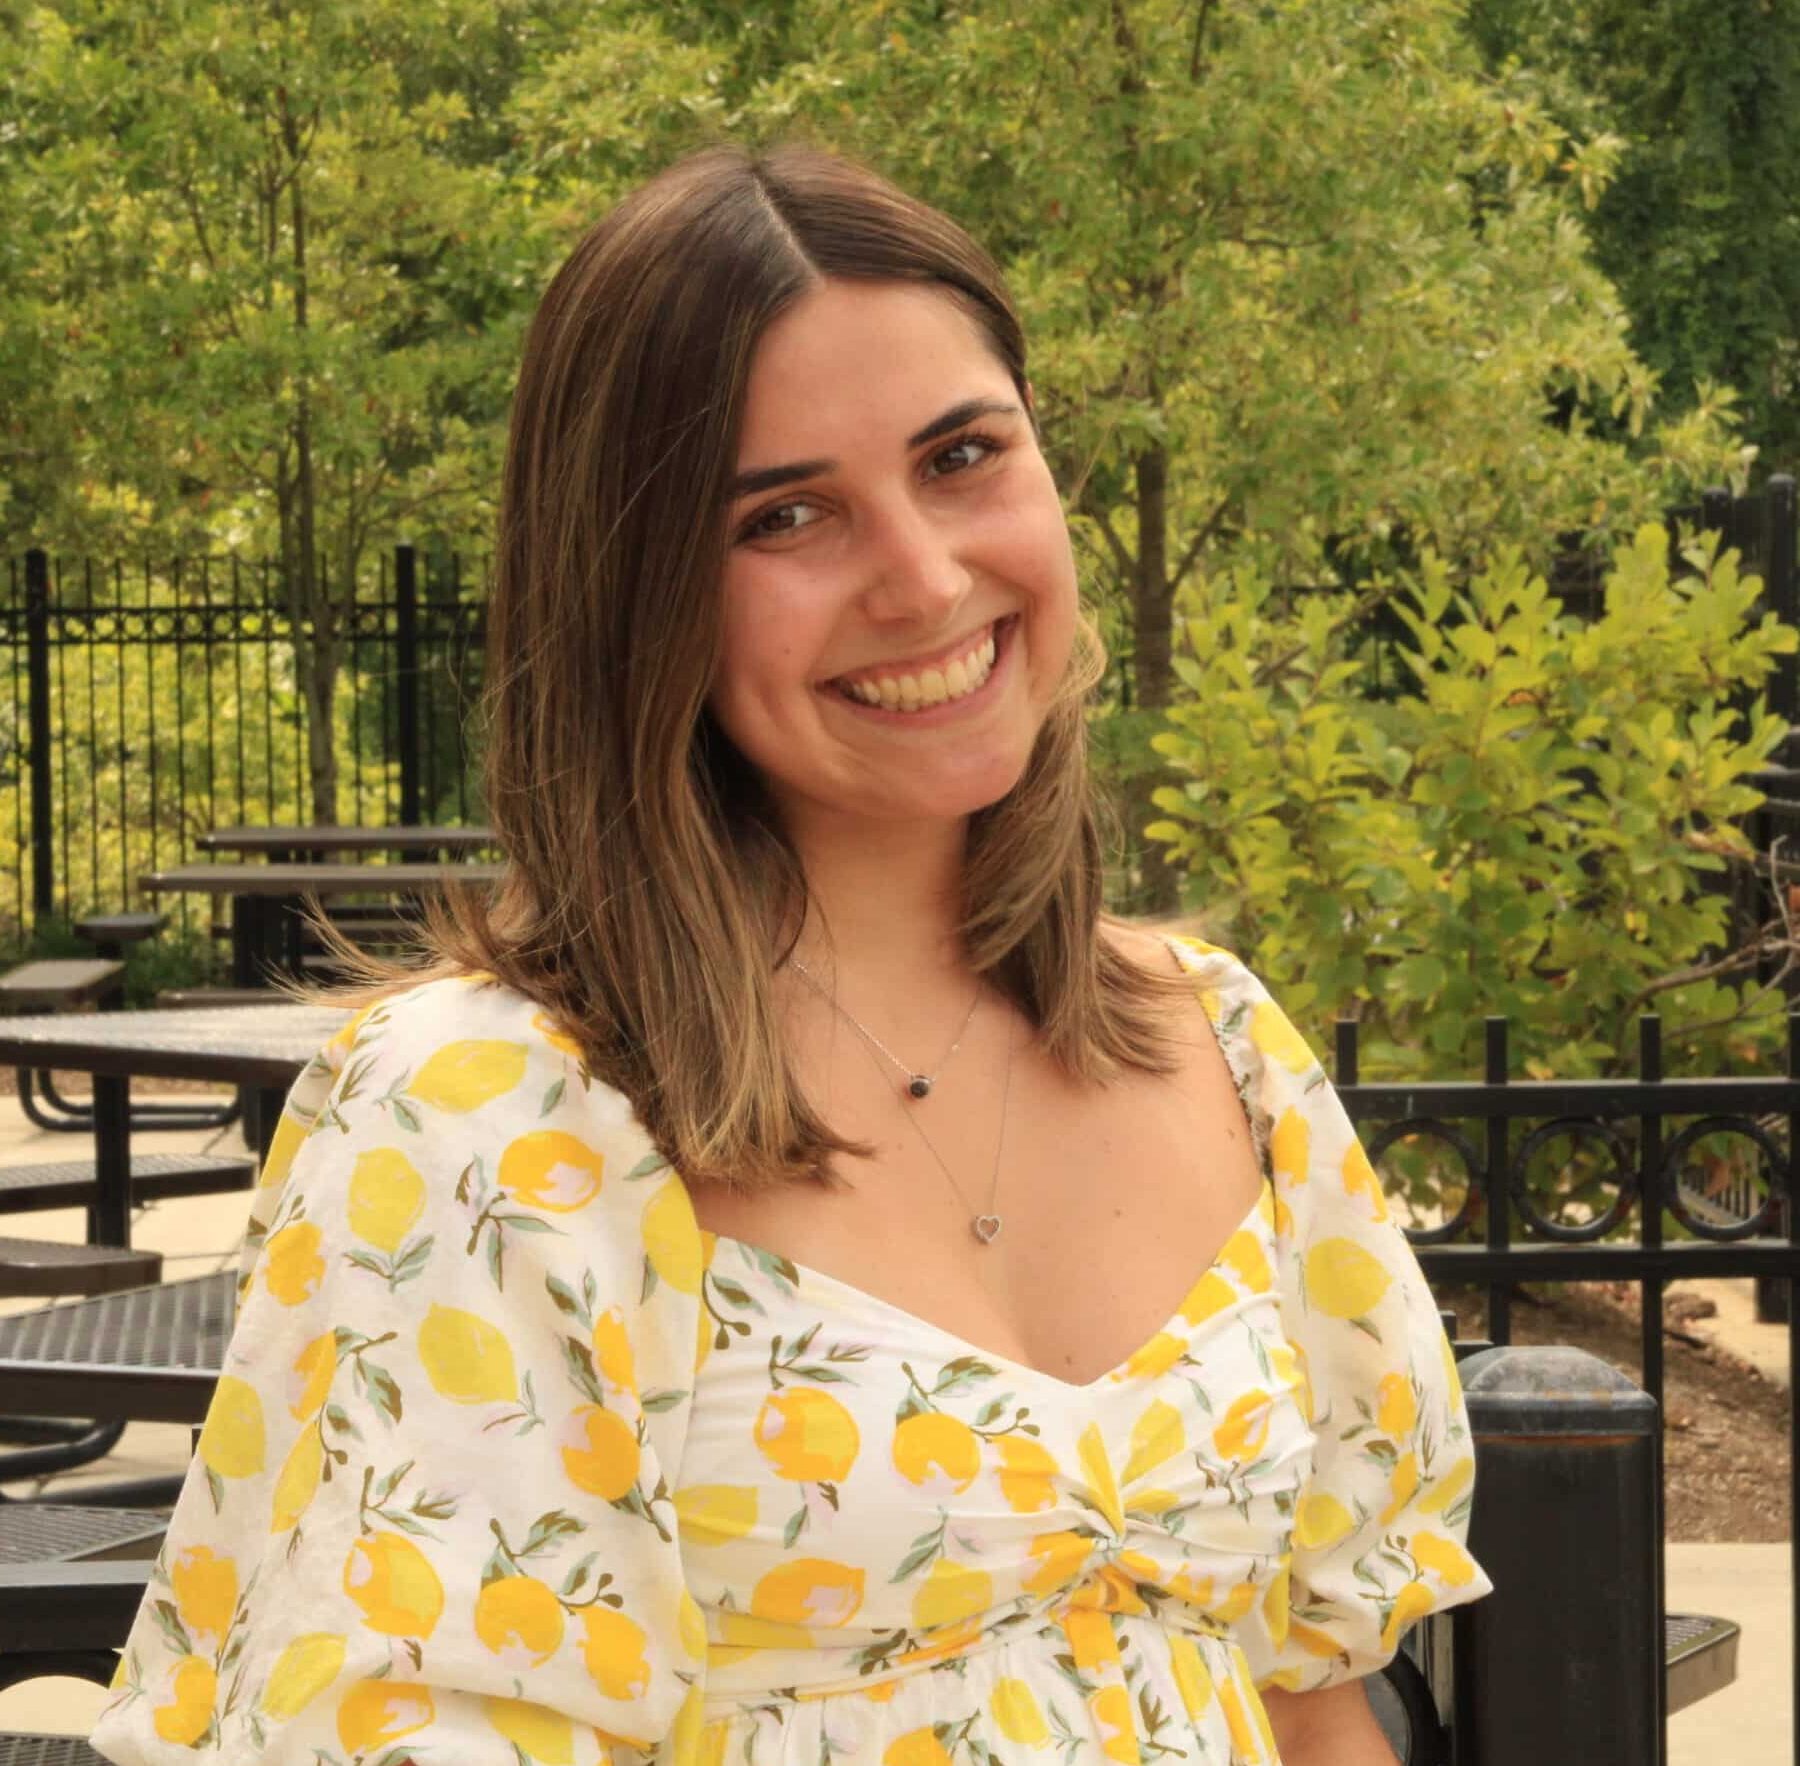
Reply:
x=431, y=1502
x=1380, y=1529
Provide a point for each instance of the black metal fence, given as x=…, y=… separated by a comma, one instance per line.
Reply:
x=1647, y=1180
x=140, y=709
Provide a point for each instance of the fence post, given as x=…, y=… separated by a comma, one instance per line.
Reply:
x=1563, y=1661
x=406, y=679
x=37, y=677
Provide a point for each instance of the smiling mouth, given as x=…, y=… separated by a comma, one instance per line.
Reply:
x=966, y=671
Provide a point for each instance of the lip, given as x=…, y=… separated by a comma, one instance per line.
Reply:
x=949, y=710
x=914, y=665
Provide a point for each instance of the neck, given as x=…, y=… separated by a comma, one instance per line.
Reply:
x=886, y=899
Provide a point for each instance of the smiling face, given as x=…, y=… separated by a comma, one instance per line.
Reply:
x=899, y=591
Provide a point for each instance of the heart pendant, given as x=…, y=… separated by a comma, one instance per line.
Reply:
x=987, y=1227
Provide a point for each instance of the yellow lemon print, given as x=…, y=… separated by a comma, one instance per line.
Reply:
x=1322, y=1522
x=1290, y=1147
x=519, y=1619
x=1156, y=1357
x=394, y=1585
x=1237, y=1602
x=1314, y=1641
x=1445, y=1556
x=297, y=1482
x=558, y=1038
x=302, y=1671
x=314, y=1368
x=536, y=1731
x=375, y=1712
x=1360, y=1180
x=1111, y=1707
x=1279, y=1040
x=1245, y=1430
x=690, y=1626
x=231, y=1442
x=917, y=1747
x=1156, y=1436
x=205, y=1588
x=612, y=1350
x=187, y=1715
x=711, y=1514
x=1243, y=1255
x=1208, y=1297
x=1096, y=1468
x=462, y=1076
x=1017, y=1714
x=613, y=1650
x=600, y=1452
x=1237, y=1720
x=1193, y=1679
x=951, y=1593
x=1403, y=1482
x=742, y=1634
x=551, y=1170
x=1275, y=1606
x=1027, y=1474
x=1413, y=1602
x=467, y=1360
x=291, y=1264
x=1448, y=1488
x=1343, y=1280
x=942, y=1452
x=1396, y=1409
x=387, y=1196
x=672, y=1238
x=806, y=1435
x=290, y=1131
x=1061, y=1558
x=808, y=1591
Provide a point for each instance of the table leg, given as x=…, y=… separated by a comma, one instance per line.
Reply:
x=243, y=941
x=266, y=1113
x=111, y=1219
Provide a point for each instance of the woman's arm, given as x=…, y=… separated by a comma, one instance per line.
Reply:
x=1332, y=1727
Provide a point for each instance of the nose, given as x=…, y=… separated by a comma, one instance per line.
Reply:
x=916, y=573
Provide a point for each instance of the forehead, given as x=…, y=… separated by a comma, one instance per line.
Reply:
x=852, y=356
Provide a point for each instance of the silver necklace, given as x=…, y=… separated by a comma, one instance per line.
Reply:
x=918, y=1085
x=986, y=1227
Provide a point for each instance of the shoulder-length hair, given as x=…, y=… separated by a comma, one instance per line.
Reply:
x=650, y=892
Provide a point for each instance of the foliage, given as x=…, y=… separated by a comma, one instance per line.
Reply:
x=1700, y=227
x=1536, y=830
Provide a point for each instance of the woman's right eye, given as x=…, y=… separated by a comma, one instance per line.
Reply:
x=756, y=529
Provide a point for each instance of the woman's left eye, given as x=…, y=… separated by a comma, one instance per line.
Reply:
x=986, y=445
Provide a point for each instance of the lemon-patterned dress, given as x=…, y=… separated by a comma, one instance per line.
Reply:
x=511, y=1462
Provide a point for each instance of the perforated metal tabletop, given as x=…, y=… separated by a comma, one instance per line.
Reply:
x=143, y=1354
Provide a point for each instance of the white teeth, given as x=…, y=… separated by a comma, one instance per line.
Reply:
x=930, y=686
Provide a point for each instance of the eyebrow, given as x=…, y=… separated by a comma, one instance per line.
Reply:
x=766, y=478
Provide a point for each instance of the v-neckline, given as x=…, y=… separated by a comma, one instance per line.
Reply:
x=805, y=1275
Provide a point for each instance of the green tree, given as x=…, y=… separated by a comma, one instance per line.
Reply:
x=271, y=287
x=1700, y=228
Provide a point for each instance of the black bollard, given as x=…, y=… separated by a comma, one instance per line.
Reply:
x=1561, y=1662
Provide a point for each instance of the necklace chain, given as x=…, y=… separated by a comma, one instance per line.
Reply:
x=918, y=1085
x=986, y=1227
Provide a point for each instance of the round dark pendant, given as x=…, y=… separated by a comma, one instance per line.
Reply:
x=919, y=1086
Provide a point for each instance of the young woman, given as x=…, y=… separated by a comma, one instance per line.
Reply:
x=794, y=1281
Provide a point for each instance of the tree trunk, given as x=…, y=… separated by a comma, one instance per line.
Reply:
x=319, y=681
x=1152, y=632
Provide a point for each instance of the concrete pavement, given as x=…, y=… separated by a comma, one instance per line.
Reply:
x=1748, y=1724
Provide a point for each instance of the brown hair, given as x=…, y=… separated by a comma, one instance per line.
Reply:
x=650, y=890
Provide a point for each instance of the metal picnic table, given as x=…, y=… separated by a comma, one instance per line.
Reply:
x=263, y=896
x=295, y=842
x=145, y=1354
